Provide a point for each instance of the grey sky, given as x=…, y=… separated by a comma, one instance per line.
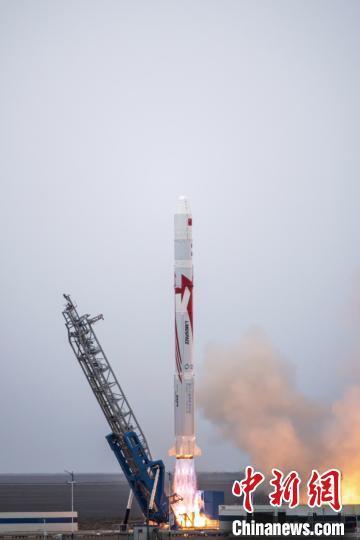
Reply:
x=108, y=111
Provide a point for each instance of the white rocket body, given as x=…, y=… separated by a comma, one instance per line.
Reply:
x=185, y=445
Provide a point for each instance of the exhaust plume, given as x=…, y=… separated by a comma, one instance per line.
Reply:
x=254, y=402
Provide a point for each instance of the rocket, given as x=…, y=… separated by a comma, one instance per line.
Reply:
x=185, y=443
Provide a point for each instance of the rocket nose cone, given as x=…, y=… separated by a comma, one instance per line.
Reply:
x=183, y=205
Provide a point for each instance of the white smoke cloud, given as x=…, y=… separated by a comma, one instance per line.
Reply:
x=255, y=402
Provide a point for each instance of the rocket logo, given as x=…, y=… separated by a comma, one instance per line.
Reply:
x=183, y=301
x=183, y=297
x=187, y=333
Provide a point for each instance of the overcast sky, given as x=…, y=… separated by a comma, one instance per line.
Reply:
x=108, y=111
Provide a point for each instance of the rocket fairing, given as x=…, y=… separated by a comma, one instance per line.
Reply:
x=185, y=445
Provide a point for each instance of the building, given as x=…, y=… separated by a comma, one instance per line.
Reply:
x=38, y=522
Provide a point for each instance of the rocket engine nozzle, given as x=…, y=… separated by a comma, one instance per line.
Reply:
x=185, y=448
